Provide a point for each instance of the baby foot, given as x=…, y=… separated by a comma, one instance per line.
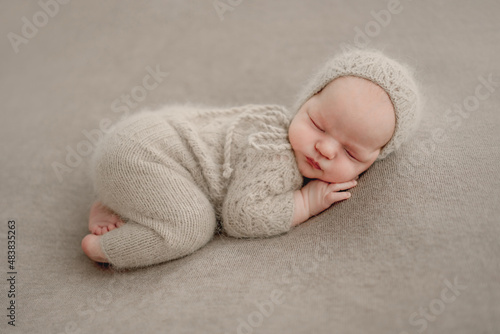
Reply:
x=91, y=246
x=102, y=219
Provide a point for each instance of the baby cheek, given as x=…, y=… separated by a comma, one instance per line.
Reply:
x=305, y=134
x=345, y=172
x=294, y=137
x=354, y=170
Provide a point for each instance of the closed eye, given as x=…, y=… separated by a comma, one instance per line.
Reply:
x=316, y=125
x=350, y=155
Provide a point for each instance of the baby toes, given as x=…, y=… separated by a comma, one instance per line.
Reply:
x=99, y=230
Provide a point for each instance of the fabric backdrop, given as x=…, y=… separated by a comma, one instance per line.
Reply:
x=415, y=250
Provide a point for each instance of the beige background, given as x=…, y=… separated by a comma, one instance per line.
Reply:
x=425, y=218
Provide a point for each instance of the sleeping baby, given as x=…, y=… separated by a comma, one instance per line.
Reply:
x=167, y=180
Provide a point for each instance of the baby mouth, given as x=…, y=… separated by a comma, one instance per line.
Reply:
x=313, y=163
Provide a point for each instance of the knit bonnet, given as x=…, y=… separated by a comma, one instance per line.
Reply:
x=395, y=78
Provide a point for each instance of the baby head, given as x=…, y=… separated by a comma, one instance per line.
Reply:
x=356, y=110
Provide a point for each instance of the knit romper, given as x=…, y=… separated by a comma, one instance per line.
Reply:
x=176, y=173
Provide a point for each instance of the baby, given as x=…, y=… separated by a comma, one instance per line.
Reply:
x=166, y=180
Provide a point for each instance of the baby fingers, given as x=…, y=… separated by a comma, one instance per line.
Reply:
x=335, y=191
x=337, y=197
x=342, y=186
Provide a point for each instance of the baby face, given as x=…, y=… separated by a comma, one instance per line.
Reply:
x=339, y=132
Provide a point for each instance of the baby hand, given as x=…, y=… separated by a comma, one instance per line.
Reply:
x=318, y=196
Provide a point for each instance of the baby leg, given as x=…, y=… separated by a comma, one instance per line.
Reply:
x=170, y=222
x=134, y=245
x=190, y=226
x=139, y=172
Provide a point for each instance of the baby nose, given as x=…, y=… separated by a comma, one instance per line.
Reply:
x=327, y=150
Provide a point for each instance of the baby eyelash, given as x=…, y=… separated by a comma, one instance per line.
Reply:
x=320, y=129
x=349, y=153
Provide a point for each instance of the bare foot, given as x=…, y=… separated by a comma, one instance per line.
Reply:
x=91, y=246
x=102, y=219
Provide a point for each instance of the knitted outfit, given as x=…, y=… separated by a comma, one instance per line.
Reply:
x=173, y=174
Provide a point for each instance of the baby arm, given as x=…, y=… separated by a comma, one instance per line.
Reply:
x=259, y=201
x=316, y=197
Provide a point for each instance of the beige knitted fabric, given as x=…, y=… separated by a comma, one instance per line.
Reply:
x=173, y=173
x=395, y=78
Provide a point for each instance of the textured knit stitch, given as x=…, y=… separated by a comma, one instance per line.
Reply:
x=174, y=172
x=395, y=78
